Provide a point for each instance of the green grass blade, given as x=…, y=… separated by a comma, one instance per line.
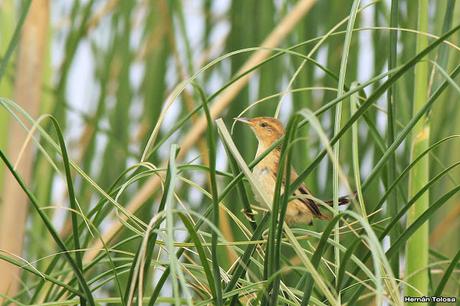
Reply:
x=372, y=98
x=418, y=244
x=320, y=250
x=201, y=253
x=337, y=127
x=14, y=39
x=82, y=281
x=421, y=220
x=44, y=276
x=243, y=262
x=242, y=192
x=72, y=200
x=391, y=102
x=346, y=257
x=279, y=209
x=290, y=236
x=215, y=197
x=447, y=275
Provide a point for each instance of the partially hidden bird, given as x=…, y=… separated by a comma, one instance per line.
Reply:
x=300, y=209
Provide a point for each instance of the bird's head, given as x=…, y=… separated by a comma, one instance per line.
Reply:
x=267, y=129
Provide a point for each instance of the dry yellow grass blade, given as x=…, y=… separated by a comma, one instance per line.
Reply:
x=27, y=91
x=273, y=40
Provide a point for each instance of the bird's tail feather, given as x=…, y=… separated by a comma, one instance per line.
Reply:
x=343, y=200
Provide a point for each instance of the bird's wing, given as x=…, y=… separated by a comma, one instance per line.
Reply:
x=303, y=190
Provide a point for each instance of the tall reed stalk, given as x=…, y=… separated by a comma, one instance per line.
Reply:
x=6, y=86
x=27, y=92
x=418, y=244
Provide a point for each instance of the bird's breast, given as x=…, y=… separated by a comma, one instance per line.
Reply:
x=261, y=171
x=266, y=181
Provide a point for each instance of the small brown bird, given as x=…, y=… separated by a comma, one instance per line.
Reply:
x=300, y=209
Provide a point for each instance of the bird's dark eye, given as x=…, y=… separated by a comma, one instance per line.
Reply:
x=263, y=124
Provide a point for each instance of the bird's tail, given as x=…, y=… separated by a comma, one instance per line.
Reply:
x=343, y=200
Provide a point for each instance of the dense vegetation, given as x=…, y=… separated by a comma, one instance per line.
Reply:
x=124, y=179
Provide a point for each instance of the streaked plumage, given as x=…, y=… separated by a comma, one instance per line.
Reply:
x=267, y=131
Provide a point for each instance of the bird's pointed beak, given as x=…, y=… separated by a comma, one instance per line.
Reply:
x=244, y=120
